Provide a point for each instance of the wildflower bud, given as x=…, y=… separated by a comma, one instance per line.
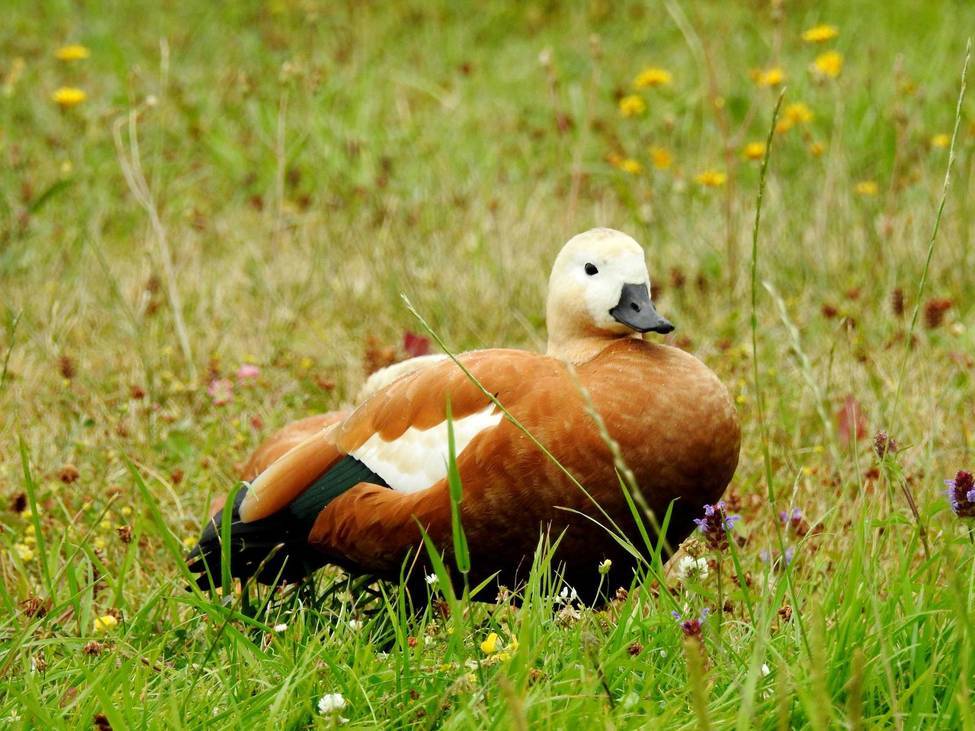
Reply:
x=692, y=627
x=68, y=474
x=715, y=525
x=897, y=301
x=934, y=312
x=635, y=649
x=961, y=494
x=124, y=533
x=93, y=648
x=605, y=566
x=884, y=445
x=18, y=503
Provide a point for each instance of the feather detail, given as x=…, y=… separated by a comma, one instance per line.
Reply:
x=417, y=458
x=289, y=476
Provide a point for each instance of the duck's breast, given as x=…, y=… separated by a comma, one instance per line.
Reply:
x=673, y=418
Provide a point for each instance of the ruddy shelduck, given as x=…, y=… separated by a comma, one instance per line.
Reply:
x=361, y=490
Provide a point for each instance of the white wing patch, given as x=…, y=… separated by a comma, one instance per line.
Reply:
x=418, y=458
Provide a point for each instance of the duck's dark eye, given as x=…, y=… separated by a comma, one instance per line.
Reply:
x=591, y=269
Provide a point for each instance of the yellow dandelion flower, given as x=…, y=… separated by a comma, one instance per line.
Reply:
x=105, y=623
x=754, y=150
x=797, y=113
x=68, y=96
x=829, y=64
x=652, y=76
x=631, y=166
x=189, y=542
x=816, y=149
x=632, y=105
x=490, y=644
x=772, y=76
x=99, y=543
x=126, y=510
x=820, y=33
x=941, y=140
x=73, y=52
x=24, y=552
x=660, y=157
x=783, y=126
x=867, y=188
x=711, y=178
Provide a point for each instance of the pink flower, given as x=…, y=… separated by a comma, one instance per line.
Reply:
x=248, y=372
x=221, y=390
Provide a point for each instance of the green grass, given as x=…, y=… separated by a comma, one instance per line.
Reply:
x=308, y=163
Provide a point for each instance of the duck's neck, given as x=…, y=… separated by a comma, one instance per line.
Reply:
x=579, y=349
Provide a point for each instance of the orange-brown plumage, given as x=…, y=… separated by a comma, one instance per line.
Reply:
x=285, y=439
x=688, y=453
x=672, y=419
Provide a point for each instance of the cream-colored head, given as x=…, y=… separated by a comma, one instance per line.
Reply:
x=599, y=291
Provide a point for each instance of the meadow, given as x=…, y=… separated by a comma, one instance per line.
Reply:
x=209, y=213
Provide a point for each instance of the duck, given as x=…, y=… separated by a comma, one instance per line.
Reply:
x=538, y=440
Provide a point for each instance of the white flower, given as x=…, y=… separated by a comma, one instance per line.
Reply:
x=279, y=628
x=692, y=568
x=431, y=579
x=605, y=566
x=568, y=595
x=765, y=669
x=355, y=624
x=331, y=703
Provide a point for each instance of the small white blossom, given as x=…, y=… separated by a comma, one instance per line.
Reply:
x=279, y=628
x=692, y=568
x=568, y=595
x=765, y=669
x=355, y=624
x=431, y=579
x=331, y=703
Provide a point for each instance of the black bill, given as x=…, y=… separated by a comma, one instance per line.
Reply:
x=635, y=310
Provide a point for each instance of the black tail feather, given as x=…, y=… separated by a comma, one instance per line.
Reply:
x=275, y=548
x=270, y=550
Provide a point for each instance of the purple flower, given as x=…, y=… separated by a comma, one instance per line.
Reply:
x=961, y=494
x=794, y=516
x=715, y=525
x=691, y=627
x=766, y=556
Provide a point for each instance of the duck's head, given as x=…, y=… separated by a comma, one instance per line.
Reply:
x=599, y=291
